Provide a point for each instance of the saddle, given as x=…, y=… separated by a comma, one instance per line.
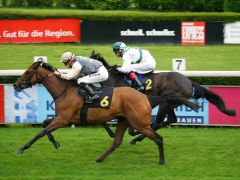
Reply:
x=105, y=101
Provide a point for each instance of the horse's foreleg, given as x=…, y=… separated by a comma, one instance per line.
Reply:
x=108, y=129
x=171, y=118
x=28, y=145
x=120, y=130
x=162, y=112
x=51, y=127
x=50, y=136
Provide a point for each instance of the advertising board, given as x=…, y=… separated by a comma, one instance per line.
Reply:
x=231, y=98
x=214, y=32
x=130, y=32
x=38, y=31
x=193, y=33
x=232, y=33
x=30, y=106
x=187, y=116
x=33, y=105
x=1, y=104
x=208, y=114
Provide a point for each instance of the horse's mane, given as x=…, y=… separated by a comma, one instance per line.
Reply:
x=110, y=68
x=45, y=65
x=100, y=58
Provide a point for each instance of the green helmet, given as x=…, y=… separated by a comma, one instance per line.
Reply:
x=118, y=46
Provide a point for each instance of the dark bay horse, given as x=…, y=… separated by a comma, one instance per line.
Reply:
x=68, y=103
x=162, y=84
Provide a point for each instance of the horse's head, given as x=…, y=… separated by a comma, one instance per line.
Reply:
x=35, y=74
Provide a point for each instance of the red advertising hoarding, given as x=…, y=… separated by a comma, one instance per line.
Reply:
x=193, y=33
x=38, y=31
x=1, y=104
x=231, y=98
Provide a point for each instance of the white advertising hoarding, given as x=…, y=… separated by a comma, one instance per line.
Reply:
x=32, y=105
x=232, y=33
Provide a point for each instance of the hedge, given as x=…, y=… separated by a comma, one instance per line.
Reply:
x=156, y=5
x=97, y=15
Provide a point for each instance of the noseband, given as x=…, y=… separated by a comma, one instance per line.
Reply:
x=23, y=84
x=27, y=83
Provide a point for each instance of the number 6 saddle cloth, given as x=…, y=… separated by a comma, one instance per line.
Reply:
x=104, y=101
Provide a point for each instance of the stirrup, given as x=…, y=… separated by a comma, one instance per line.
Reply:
x=89, y=100
x=140, y=88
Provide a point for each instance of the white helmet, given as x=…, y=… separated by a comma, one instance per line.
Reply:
x=67, y=56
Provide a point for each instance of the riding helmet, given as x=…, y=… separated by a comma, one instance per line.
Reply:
x=67, y=56
x=118, y=46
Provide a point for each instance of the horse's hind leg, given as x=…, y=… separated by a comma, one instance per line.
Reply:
x=50, y=136
x=151, y=134
x=120, y=130
x=157, y=125
x=132, y=132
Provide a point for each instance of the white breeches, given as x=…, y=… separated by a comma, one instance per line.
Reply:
x=99, y=76
x=145, y=66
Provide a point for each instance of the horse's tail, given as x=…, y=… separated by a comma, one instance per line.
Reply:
x=212, y=97
x=171, y=99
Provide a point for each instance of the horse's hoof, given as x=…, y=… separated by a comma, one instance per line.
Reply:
x=161, y=162
x=98, y=161
x=20, y=151
x=132, y=142
x=112, y=135
x=57, y=145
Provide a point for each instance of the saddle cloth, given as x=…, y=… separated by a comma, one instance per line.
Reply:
x=145, y=79
x=104, y=101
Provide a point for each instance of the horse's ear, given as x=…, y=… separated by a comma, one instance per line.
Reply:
x=93, y=53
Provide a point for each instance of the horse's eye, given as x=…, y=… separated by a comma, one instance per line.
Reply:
x=28, y=72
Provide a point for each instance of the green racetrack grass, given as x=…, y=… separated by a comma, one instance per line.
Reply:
x=190, y=153
x=218, y=57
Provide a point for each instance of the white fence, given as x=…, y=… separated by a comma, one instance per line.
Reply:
x=186, y=73
x=18, y=72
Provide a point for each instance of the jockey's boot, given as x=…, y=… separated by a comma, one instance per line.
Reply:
x=92, y=96
x=133, y=77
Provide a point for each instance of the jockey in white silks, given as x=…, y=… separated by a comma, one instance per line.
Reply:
x=135, y=60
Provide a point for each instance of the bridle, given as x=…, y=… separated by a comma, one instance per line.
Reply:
x=26, y=83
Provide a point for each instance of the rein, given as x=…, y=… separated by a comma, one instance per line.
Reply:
x=48, y=76
x=55, y=98
x=41, y=80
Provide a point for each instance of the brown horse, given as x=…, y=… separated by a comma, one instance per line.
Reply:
x=133, y=107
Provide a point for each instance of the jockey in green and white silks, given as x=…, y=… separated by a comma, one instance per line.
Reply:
x=91, y=71
x=135, y=60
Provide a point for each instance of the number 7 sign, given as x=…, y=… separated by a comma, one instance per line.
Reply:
x=179, y=64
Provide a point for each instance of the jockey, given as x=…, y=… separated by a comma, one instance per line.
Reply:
x=135, y=60
x=92, y=71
